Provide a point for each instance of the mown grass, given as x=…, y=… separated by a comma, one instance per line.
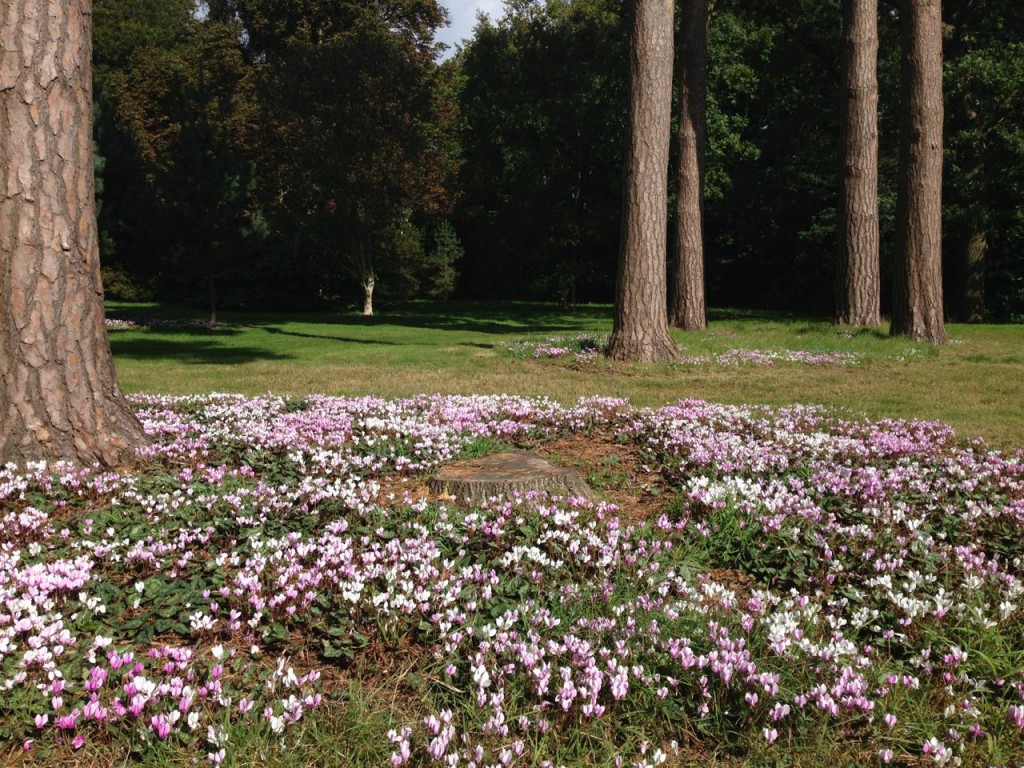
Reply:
x=975, y=384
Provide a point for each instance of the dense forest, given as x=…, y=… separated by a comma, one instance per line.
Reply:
x=272, y=154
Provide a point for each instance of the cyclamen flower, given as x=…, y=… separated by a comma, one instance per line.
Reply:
x=620, y=683
x=939, y=752
x=401, y=740
x=160, y=726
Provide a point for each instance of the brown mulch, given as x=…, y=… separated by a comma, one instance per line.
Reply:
x=639, y=491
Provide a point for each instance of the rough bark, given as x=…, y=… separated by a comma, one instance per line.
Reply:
x=858, y=286
x=59, y=398
x=640, y=332
x=688, y=305
x=917, y=276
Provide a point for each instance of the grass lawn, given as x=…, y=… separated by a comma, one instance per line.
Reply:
x=975, y=384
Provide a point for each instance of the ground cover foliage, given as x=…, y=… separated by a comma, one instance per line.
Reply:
x=275, y=584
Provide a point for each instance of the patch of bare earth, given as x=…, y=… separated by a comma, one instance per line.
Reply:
x=617, y=470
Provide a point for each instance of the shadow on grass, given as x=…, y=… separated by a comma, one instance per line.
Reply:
x=346, y=339
x=190, y=350
x=199, y=331
x=501, y=318
x=498, y=318
x=720, y=314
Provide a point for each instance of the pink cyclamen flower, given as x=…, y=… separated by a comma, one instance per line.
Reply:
x=160, y=726
x=42, y=720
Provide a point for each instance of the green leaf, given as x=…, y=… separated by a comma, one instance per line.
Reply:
x=331, y=651
x=278, y=633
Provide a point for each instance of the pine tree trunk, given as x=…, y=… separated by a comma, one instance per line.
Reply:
x=917, y=278
x=688, y=309
x=858, y=287
x=640, y=333
x=59, y=397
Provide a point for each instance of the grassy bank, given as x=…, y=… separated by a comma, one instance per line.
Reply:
x=975, y=384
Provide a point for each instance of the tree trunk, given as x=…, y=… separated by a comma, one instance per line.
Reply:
x=858, y=287
x=973, y=256
x=688, y=309
x=212, y=292
x=59, y=397
x=368, y=283
x=640, y=333
x=917, y=279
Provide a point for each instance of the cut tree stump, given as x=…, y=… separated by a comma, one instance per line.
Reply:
x=505, y=474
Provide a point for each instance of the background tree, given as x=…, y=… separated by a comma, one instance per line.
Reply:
x=858, y=282
x=540, y=147
x=640, y=332
x=543, y=143
x=353, y=146
x=688, y=309
x=772, y=227
x=444, y=253
x=917, y=282
x=190, y=113
x=135, y=233
x=59, y=397
x=984, y=163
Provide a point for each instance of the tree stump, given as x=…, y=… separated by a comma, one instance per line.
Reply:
x=504, y=474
